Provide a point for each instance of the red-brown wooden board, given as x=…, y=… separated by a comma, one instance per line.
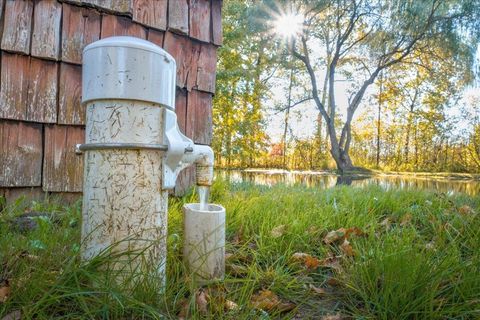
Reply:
x=156, y=37
x=21, y=154
x=199, y=116
x=152, y=13
x=80, y=26
x=199, y=25
x=181, y=108
x=46, y=29
x=121, y=26
x=62, y=167
x=217, y=32
x=178, y=16
x=70, y=109
x=17, y=26
x=186, y=54
x=14, y=86
x=112, y=6
x=207, y=64
x=42, y=91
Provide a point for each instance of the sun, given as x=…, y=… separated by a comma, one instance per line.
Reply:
x=289, y=25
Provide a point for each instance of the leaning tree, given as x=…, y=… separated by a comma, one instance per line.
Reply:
x=361, y=38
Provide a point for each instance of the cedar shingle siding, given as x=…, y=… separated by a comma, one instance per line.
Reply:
x=41, y=118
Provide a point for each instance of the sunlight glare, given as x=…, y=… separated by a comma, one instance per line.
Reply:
x=289, y=25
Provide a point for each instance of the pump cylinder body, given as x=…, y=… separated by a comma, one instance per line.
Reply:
x=127, y=84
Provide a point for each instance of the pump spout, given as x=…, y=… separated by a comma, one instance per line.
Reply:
x=204, y=164
x=182, y=153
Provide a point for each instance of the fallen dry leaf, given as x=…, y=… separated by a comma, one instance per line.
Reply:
x=331, y=262
x=406, y=219
x=319, y=291
x=230, y=305
x=386, y=223
x=4, y=290
x=278, y=231
x=14, y=315
x=299, y=256
x=333, y=282
x=465, y=210
x=268, y=300
x=311, y=262
x=201, y=300
x=341, y=234
x=306, y=259
x=347, y=248
x=334, y=236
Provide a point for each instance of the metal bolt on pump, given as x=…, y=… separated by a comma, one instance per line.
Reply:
x=133, y=148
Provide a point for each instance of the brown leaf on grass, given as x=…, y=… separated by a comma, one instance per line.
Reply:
x=230, y=305
x=318, y=291
x=331, y=262
x=311, y=262
x=466, y=210
x=347, y=249
x=406, y=219
x=307, y=260
x=334, y=236
x=341, y=234
x=386, y=223
x=4, y=290
x=278, y=231
x=201, y=300
x=333, y=282
x=268, y=300
x=14, y=315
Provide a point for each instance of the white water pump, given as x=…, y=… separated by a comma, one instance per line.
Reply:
x=133, y=148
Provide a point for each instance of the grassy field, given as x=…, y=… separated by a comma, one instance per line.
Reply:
x=292, y=253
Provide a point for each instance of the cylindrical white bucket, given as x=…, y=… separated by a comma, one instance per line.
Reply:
x=204, y=241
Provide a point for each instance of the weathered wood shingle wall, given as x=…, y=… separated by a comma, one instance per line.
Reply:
x=41, y=118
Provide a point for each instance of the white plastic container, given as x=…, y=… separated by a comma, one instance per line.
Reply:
x=204, y=242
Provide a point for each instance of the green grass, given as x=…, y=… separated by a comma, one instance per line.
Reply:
x=423, y=264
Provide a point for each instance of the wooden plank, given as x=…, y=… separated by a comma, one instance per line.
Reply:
x=156, y=37
x=27, y=193
x=121, y=26
x=42, y=91
x=21, y=156
x=181, y=108
x=178, y=16
x=185, y=179
x=112, y=6
x=46, y=29
x=17, y=26
x=186, y=54
x=199, y=116
x=152, y=13
x=217, y=32
x=14, y=86
x=62, y=168
x=80, y=26
x=200, y=20
x=207, y=65
x=70, y=109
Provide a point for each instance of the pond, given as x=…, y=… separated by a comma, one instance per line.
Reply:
x=327, y=180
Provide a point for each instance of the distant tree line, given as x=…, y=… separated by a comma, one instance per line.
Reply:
x=406, y=63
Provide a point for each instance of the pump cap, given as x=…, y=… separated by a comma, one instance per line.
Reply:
x=128, y=68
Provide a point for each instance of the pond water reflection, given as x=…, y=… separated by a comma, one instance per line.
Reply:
x=327, y=180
